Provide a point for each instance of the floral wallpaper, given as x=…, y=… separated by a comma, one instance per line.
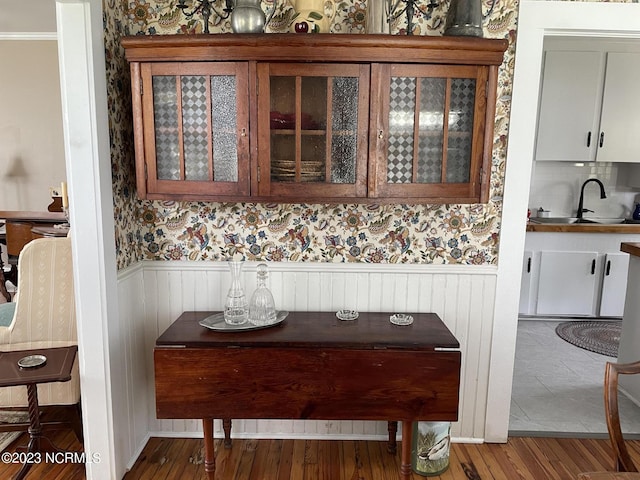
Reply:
x=167, y=230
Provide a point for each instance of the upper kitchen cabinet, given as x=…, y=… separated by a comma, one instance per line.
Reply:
x=589, y=107
x=314, y=118
x=620, y=121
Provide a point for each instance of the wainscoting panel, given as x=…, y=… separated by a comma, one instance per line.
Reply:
x=463, y=296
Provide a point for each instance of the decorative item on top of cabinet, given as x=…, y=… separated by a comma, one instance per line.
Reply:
x=314, y=118
x=589, y=107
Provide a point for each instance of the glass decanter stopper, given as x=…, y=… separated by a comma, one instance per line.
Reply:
x=262, y=309
x=236, y=309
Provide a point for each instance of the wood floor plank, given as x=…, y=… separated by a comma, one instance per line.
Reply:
x=520, y=458
x=297, y=463
x=286, y=461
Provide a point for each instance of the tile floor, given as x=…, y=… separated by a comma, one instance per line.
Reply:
x=557, y=387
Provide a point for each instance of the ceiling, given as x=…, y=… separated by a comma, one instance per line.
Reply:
x=27, y=16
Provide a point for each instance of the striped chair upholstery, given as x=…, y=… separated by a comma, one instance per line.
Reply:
x=44, y=316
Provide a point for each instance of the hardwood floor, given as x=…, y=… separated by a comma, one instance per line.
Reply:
x=180, y=459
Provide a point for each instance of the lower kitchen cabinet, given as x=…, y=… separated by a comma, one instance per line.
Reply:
x=567, y=283
x=574, y=274
x=614, y=284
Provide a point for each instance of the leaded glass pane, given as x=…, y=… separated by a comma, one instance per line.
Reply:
x=224, y=128
x=165, y=117
x=460, y=129
x=430, y=130
x=344, y=129
x=194, y=127
x=402, y=106
x=313, y=124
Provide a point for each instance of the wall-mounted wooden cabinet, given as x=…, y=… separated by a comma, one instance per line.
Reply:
x=314, y=118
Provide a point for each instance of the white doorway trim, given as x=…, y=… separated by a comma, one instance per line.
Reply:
x=88, y=163
x=536, y=20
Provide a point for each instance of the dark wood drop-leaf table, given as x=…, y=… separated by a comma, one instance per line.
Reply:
x=310, y=366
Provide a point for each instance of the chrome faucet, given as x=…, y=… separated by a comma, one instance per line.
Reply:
x=581, y=209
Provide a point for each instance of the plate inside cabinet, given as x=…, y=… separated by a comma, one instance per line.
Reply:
x=216, y=322
x=32, y=361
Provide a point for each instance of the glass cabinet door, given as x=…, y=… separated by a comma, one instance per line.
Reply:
x=429, y=139
x=197, y=121
x=312, y=140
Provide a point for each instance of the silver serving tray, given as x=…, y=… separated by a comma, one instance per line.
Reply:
x=216, y=322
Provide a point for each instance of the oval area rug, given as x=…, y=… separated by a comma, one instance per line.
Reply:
x=598, y=337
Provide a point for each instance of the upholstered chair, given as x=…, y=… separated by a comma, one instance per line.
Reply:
x=44, y=317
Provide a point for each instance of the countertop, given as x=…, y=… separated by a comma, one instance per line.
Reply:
x=584, y=227
x=631, y=248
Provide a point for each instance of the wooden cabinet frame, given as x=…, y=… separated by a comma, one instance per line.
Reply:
x=370, y=57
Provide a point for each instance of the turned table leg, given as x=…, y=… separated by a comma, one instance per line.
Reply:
x=405, y=459
x=35, y=431
x=226, y=426
x=392, y=445
x=209, y=451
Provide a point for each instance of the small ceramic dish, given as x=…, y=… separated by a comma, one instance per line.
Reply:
x=347, y=314
x=32, y=361
x=401, y=319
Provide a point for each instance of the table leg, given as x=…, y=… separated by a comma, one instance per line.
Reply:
x=405, y=459
x=226, y=426
x=209, y=451
x=392, y=445
x=35, y=430
x=3, y=281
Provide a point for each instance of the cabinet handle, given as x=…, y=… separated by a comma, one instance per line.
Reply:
x=601, y=138
x=593, y=267
x=243, y=132
x=589, y=139
x=608, y=271
x=380, y=134
x=529, y=265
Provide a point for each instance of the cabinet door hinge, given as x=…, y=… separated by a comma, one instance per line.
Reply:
x=258, y=174
x=146, y=173
x=141, y=89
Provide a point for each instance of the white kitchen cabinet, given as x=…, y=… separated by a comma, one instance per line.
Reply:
x=525, y=284
x=614, y=284
x=558, y=280
x=620, y=120
x=567, y=283
x=589, y=107
x=569, y=106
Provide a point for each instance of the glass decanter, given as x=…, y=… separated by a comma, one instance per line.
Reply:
x=262, y=309
x=236, y=309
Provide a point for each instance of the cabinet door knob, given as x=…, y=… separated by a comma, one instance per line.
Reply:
x=380, y=134
x=243, y=132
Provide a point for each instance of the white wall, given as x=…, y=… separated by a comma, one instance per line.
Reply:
x=31, y=141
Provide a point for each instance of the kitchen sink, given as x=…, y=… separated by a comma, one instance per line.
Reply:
x=554, y=220
x=605, y=221
x=608, y=221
